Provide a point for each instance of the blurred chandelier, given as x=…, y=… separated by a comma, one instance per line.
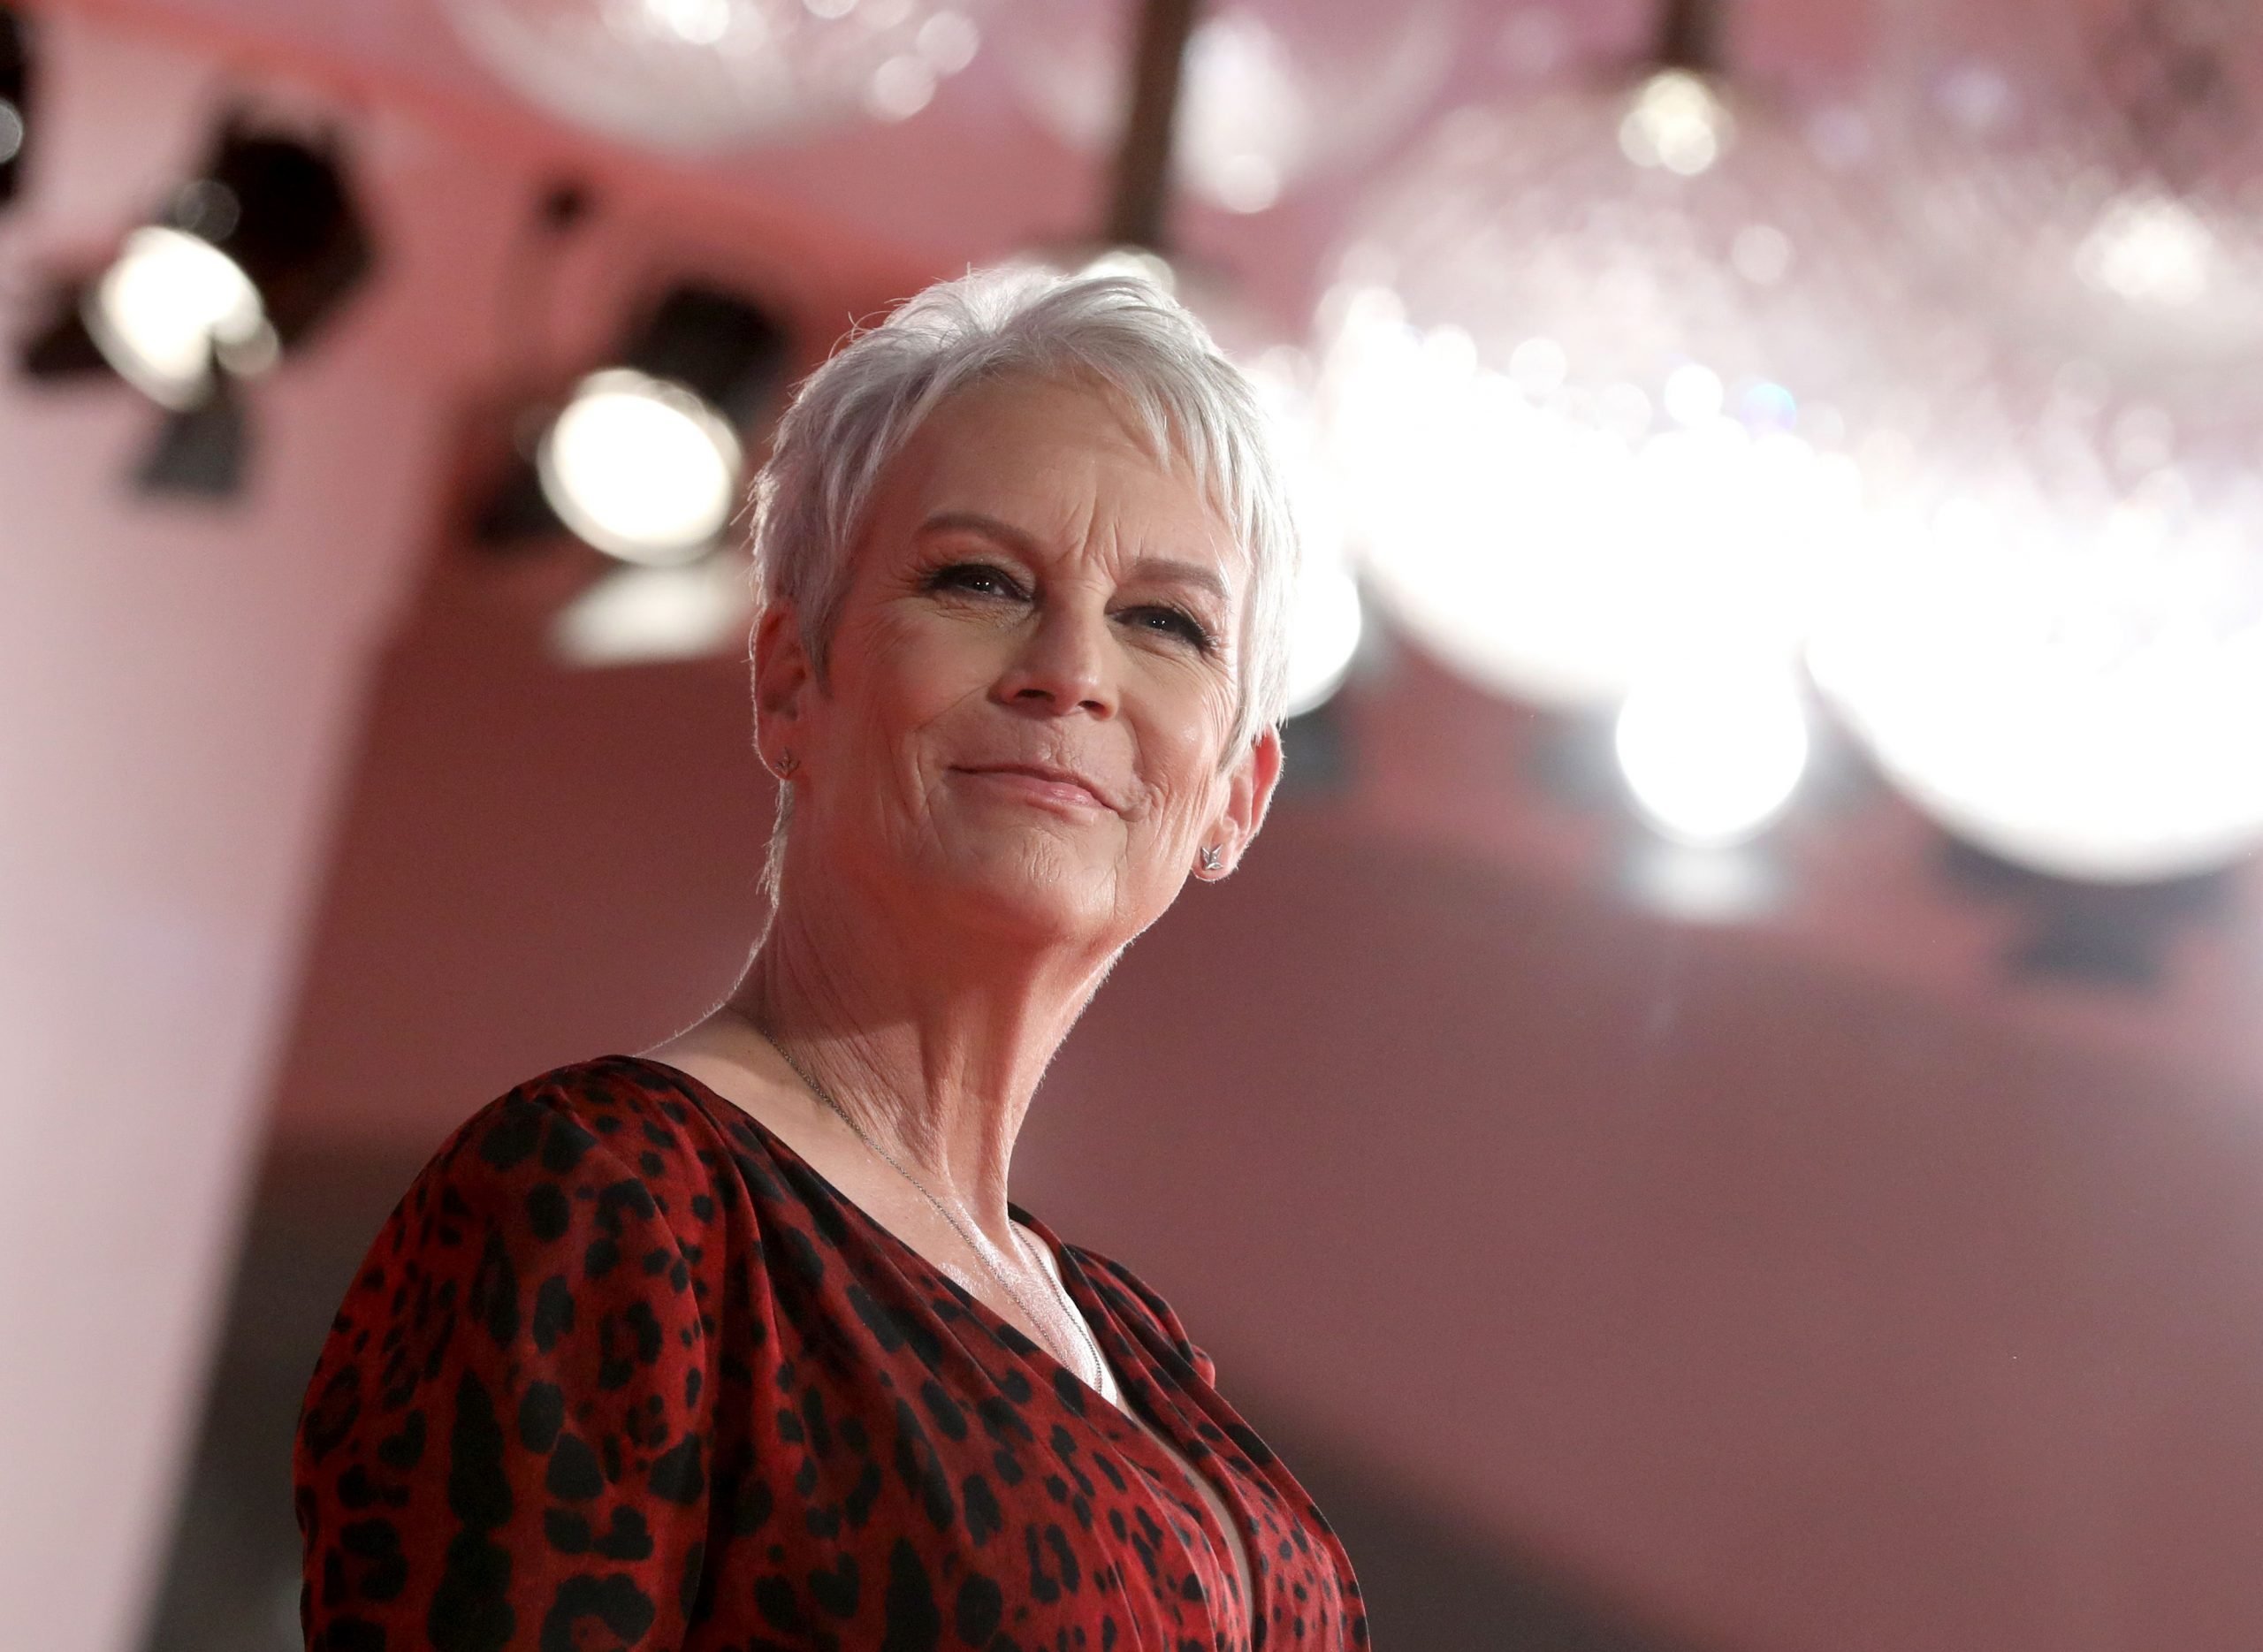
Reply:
x=1596, y=367
x=2054, y=643
x=707, y=75
x=2053, y=637
x=1272, y=94
x=2098, y=185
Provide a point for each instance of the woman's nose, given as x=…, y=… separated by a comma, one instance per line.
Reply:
x=1062, y=665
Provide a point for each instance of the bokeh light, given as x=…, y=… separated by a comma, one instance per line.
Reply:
x=634, y=615
x=168, y=308
x=1589, y=363
x=711, y=74
x=640, y=468
x=1711, y=748
x=2052, y=638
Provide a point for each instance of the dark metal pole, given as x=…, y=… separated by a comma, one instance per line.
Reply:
x=1142, y=195
x=1689, y=35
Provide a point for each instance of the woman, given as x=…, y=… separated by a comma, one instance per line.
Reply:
x=739, y=1343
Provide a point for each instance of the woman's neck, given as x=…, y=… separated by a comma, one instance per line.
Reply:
x=935, y=1055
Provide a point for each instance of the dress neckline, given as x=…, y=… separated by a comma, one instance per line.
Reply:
x=1070, y=1276
x=1072, y=1279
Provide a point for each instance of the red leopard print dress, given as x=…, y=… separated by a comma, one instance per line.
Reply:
x=622, y=1371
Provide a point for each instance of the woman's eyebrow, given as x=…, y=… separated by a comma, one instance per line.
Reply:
x=1169, y=571
x=989, y=527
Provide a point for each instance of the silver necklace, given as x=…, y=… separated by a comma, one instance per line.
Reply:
x=809, y=1079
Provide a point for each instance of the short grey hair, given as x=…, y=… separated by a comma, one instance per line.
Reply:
x=1123, y=334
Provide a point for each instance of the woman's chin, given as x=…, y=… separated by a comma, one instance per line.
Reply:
x=1039, y=890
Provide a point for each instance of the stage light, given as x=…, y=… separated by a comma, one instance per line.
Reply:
x=246, y=261
x=1712, y=750
x=15, y=102
x=170, y=308
x=645, y=461
x=641, y=469
x=243, y=264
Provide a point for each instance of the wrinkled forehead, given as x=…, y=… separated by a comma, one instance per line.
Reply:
x=1054, y=453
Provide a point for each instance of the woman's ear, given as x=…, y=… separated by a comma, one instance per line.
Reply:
x=1249, y=794
x=783, y=677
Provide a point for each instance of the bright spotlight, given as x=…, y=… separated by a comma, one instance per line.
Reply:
x=645, y=459
x=639, y=467
x=1675, y=121
x=244, y=263
x=1712, y=754
x=240, y=267
x=170, y=308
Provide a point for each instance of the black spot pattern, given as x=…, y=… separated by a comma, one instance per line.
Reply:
x=621, y=1371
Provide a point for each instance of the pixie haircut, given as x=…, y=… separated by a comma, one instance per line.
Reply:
x=1121, y=334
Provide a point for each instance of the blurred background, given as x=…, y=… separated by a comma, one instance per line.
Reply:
x=1725, y=1111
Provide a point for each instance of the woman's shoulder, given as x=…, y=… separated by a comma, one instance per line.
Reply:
x=610, y=1096
x=537, y=1326
x=615, y=1118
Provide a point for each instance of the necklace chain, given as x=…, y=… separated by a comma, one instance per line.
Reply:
x=809, y=1081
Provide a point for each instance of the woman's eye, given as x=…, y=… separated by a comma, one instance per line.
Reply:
x=980, y=579
x=972, y=576
x=1174, y=622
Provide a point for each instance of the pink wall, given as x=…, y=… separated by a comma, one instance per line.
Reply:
x=181, y=683
x=162, y=809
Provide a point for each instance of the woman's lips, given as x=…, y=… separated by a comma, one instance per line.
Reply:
x=1039, y=786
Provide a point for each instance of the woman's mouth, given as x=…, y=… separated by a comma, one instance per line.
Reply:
x=1042, y=784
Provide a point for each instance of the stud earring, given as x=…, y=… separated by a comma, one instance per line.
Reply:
x=786, y=764
x=1212, y=860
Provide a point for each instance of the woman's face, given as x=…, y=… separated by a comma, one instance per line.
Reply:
x=1033, y=679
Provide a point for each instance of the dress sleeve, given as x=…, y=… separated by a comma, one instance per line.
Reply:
x=502, y=1444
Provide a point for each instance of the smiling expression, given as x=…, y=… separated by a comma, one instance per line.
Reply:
x=1034, y=675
